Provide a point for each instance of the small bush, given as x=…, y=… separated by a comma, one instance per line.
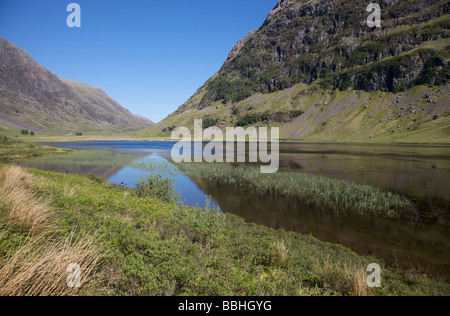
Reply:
x=209, y=122
x=95, y=178
x=250, y=119
x=297, y=113
x=158, y=187
x=4, y=140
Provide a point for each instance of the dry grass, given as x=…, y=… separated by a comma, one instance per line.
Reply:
x=19, y=207
x=345, y=278
x=38, y=266
x=279, y=254
x=357, y=281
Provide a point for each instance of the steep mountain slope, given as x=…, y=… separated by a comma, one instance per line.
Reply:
x=317, y=69
x=34, y=98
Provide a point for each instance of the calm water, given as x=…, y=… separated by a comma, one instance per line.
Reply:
x=419, y=172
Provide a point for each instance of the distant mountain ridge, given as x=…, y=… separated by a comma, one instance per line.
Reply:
x=312, y=64
x=33, y=97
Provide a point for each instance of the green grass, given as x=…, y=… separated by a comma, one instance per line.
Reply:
x=12, y=149
x=155, y=248
x=54, y=137
x=87, y=158
x=317, y=191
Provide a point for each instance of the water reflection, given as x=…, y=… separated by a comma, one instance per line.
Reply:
x=408, y=244
x=421, y=175
x=121, y=166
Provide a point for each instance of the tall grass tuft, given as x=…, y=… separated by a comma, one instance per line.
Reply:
x=19, y=208
x=39, y=267
x=279, y=254
x=341, y=277
x=33, y=262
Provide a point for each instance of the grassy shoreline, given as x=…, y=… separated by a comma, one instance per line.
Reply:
x=13, y=149
x=150, y=247
x=40, y=138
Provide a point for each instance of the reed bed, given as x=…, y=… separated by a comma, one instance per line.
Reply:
x=314, y=190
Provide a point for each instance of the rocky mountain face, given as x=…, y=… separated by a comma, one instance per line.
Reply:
x=304, y=41
x=238, y=46
x=32, y=97
x=312, y=48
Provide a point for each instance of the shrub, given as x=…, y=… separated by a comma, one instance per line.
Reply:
x=158, y=187
x=209, y=122
x=4, y=140
x=95, y=178
x=297, y=113
x=250, y=119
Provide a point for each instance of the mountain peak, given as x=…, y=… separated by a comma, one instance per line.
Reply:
x=32, y=96
x=281, y=5
x=238, y=46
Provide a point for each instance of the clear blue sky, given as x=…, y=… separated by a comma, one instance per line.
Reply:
x=148, y=55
